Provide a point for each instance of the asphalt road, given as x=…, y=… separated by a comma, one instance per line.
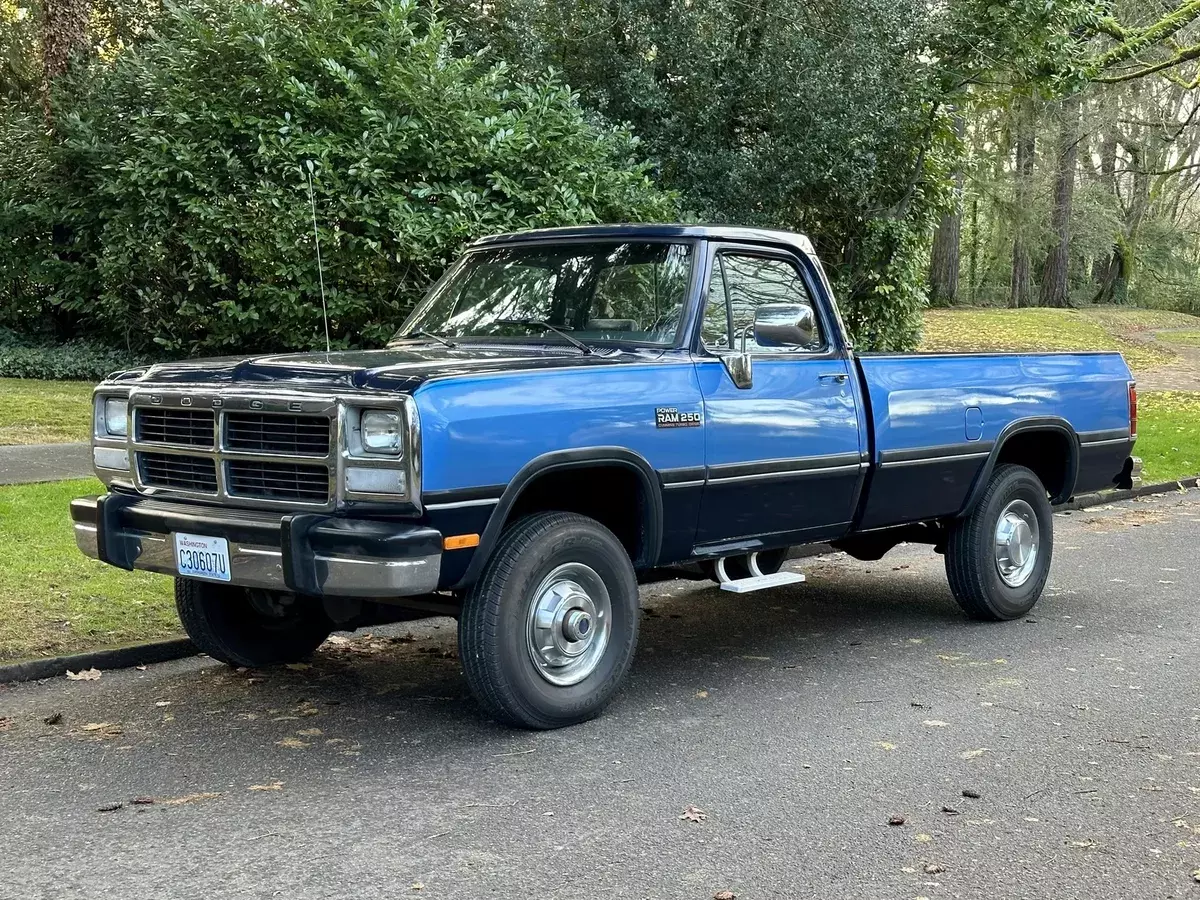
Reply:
x=44, y=462
x=799, y=721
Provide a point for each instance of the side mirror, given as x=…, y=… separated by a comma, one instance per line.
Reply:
x=739, y=368
x=784, y=325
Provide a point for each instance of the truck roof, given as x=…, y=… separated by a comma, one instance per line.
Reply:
x=643, y=232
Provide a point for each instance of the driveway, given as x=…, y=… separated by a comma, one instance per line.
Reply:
x=44, y=462
x=1058, y=756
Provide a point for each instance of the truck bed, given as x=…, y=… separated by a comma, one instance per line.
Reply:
x=937, y=417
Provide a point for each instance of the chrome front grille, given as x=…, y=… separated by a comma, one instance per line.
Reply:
x=197, y=474
x=277, y=481
x=187, y=427
x=250, y=449
x=284, y=449
x=279, y=435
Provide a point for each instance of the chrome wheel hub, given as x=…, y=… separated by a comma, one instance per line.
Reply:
x=1016, y=543
x=570, y=619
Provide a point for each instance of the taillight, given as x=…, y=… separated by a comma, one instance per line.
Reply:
x=1132, y=410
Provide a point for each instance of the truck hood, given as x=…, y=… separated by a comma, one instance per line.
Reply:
x=393, y=369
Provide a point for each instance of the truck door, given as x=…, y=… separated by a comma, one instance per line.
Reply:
x=784, y=454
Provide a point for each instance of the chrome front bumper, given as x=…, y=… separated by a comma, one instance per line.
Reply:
x=310, y=554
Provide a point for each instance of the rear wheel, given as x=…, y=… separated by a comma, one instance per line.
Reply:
x=549, y=630
x=998, y=557
x=249, y=627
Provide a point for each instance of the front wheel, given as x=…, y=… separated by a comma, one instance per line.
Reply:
x=549, y=630
x=248, y=627
x=998, y=557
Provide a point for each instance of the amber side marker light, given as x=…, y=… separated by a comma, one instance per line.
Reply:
x=460, y=541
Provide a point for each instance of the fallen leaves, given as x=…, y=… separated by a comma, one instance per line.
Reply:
x=5, y=722
x=53, y=719
x=934, y=723
x=85, y=675
x=973, y=754
x=293, y=743
x=693, y=813
x=187, y=798
x=971, y=793
x=701, y=695
x=885, y=745
x=160, y=801
x=934, y=869
x=896, y=821
x=724, y=895
x=102, y=730
x=1196, y=875
x=273, y=786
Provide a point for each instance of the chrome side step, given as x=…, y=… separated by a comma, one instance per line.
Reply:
x=757, y=581
x=761, y=582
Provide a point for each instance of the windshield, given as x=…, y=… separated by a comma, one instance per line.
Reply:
x=606, y=291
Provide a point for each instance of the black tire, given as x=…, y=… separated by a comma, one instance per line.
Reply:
x=234, y=626
x=971, y=564
x=493, y=632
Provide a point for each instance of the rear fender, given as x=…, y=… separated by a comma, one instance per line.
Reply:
x=1025, y=426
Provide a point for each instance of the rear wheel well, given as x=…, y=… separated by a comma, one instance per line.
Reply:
x=1048, y=453
x=612, y=494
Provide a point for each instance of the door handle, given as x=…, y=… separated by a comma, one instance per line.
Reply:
x=839, y=377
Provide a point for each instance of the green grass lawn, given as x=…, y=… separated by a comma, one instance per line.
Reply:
x=1168, y=435
x=1190, y=338
x=55, y=600
x=1048, y=329
x=44, y=412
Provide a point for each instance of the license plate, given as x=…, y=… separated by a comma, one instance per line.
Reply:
x=197, y=556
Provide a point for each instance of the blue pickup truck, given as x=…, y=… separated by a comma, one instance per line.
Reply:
x=566, y=414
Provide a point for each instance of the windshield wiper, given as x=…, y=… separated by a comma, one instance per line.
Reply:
x=422, y=333
x=546, y=326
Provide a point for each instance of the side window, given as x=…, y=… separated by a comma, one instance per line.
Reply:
x=747, y=282
x=714, y=331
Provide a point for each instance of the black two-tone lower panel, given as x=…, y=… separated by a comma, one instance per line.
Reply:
x=813, y=496
x=1104, y=460
x=460, y=512
x=922, y=483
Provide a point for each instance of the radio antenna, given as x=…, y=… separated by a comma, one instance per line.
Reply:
x=317, y=241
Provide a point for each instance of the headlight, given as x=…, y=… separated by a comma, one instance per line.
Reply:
x=116, y=416
x=381, y=431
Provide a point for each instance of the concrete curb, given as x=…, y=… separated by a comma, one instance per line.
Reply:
x=164, y=651
x=1083, y=501
x=120, y=658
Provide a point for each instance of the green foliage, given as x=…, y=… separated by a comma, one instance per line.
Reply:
x=175, y=209
x=819, y=118
x=75, y=360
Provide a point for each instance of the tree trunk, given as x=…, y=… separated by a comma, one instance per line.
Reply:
x=1103, y=265
x=1055, y=289
x=64, y=32
x=973, y=256
x=944, y=258
x=1021, y=286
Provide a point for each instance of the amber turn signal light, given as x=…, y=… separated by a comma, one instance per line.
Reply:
x=460, y=541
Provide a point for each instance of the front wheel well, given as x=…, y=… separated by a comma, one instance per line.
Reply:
x=613, y=494
x=1048, y=453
